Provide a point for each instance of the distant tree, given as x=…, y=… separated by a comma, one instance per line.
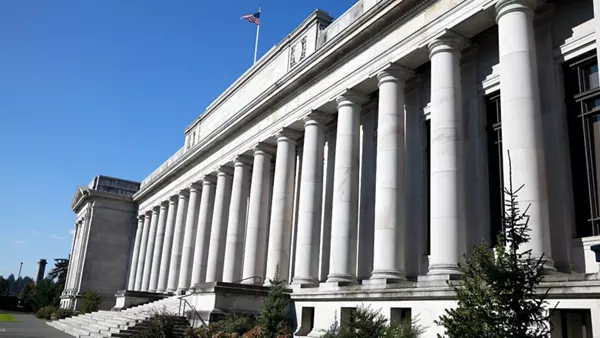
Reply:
x=40, y=294
x=497, y=296
x=4, y=288
x=59, y=272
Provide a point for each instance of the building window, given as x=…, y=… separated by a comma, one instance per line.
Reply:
x=583, y=117
x=495, y=168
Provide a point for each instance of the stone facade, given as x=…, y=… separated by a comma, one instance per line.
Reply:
x=361, y=157
x=102, y=242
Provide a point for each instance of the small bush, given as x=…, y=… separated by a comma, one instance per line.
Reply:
x=46, y=312
x=61, y=313
x=230, y=327
x=91, y=302
x=162, y=325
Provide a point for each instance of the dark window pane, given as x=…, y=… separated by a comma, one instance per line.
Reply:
x=427, y=185
x=496, y=185
x=590, y=76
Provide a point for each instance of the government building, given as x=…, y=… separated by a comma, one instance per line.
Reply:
x=359, y=159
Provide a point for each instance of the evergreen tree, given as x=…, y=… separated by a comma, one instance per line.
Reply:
x=497, y=296
x=274, y=317
x=59, y=272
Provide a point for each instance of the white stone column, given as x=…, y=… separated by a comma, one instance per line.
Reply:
x=236, y=230
x=165, y=259
x=218, y=233
x=203, y=234
x=282, y=205
x=388, y=254
x=344, y=218
x=175, y=261
x=150, y=249
x=522, y=120
x=136, y=252
x=73, y=260
x=256, y=236
x=447, y=214
x=310, y=201
x=139, y=271
x=158, y=246
x=189, y=237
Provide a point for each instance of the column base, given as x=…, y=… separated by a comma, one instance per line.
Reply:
x=341, y=278
x=388, y=275
x=181, y=292
x=305, y=282
x=444, y=269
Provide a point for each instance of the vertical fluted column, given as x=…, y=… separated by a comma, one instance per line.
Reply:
x=150, y=249
x=388, y=254
x=218, y=233
x=344, y=219
x=236, y=230
x=175, y=261
x=447, y=214
x=282, y=206
x=135, y=253
x=522, y=135
x=139, y=271
x=165, y=259
x=189, y=237
x=73, y=260
x=310, y=201
x=203, y=234
x=158, y=246
x=256, y=236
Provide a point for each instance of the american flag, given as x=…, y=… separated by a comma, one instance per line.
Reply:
x=253, y=18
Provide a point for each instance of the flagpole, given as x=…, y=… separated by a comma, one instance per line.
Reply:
x=257, y=32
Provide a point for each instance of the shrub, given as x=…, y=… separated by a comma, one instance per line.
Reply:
x=91, y=302
x=61, y=313
x=275, y=316
x=229, y=327
x=45, y=312
x=368, y=323
x=161, y=324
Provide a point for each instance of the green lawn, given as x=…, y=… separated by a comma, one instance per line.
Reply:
x=6, y=317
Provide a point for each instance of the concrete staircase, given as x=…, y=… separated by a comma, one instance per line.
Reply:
x=115, y=323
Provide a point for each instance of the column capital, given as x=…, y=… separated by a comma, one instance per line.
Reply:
x=173, y=199
x=317, y=117
x=394, y=72
x=447, y=41
x=224, y=171
x=287, y=134
x=184, y=193
x=140, y=218
x=196, y=186
x=350, y=97
x=242, y=161
x=208, y=180
x=148, y=212
x=155, y=209
x=265, y=148
x=164, y=205
x=508, y=6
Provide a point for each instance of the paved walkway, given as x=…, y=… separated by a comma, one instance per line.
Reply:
x=29, y=327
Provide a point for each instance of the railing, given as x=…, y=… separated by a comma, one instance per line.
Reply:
x=183, y=303
x=254, y=279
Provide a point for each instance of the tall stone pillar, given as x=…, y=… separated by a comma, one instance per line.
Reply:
x=203, y=234
x=139, y=272
x=447, y=212
x=388, y=257
x=344, y=218
x=218, y=233
x=175, y=261
x=282, y=206
x=189, y=237
x=165, y=260
x=71, y=267
x=306, y=270
x=522, y=120
x=150, y=249
x=256, y=237
x=158, y=246
x=136, y=252
x=236, y=230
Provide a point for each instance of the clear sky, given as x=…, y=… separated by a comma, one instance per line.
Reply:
x=92, y=87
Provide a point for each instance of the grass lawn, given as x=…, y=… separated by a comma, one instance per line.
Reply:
x=6, y=317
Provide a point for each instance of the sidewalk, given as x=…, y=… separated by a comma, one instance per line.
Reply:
x=29, y=327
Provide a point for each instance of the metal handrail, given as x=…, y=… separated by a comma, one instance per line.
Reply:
x=254, y=279
x=182, y=312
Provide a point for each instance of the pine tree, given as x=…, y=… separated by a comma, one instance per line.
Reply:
x=497, y=296
x=274, y=317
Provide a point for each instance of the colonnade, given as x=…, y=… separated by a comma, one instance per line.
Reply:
x=216, y=229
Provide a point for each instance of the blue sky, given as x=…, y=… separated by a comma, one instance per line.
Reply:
x=107, y=87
